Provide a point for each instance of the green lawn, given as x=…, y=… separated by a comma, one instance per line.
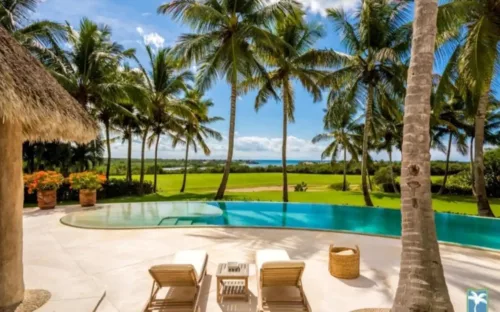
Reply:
x=203, y=187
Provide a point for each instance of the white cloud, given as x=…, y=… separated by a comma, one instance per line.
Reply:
x=140, y=30
x=154, y=39
x=146, y=14
x=320, y=6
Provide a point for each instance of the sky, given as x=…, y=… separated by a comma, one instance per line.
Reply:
x=258, y=135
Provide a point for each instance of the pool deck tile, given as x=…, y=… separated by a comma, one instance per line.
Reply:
x=79, y=265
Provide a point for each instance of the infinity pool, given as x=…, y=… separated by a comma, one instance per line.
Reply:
x=465, y=230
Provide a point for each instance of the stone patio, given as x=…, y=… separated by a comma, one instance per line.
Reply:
x=107, y=269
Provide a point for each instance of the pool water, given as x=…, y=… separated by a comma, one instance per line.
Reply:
x=453, y=228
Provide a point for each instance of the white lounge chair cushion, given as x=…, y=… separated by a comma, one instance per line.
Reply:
x=345, y=252
x=197, y=258
x=270, y=255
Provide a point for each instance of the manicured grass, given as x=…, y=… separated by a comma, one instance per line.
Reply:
x=210, y=182
x=203, y=186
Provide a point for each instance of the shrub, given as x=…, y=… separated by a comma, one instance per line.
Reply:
x=301, y=187
x=462, y=179
x=339, y=186
x=43, y=181
x=382, y=176
x=86, y=181
x=389, y=188
x=110, y=189
x=492, y=172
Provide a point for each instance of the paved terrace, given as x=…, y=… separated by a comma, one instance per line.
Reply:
x=107, y=269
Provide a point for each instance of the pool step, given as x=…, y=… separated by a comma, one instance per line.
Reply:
x=184, y=222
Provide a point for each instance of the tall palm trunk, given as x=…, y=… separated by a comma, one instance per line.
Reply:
x=344, y=184
x=143, y=150
x=471, y=153
x=366, y=138
x=483, y=206
x=11, y=216
x=422, y=286
x=108, y=148
x=448, y=152
x=129, y=157
x=183, y=187
x=156, y=163
x=232, y=123
x=393, y=180
x=285, y=134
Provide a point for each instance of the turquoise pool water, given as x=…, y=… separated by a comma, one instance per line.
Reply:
x=465, y=230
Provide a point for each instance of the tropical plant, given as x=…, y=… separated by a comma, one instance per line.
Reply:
x=422, y=285
x=376, y=38
x=295, y=61
x=43, y=181
x=388, y=131
x=41, y=37
x=90, y=72
x=86, y=181
x=195, y=131
x=164, y=83
x=478, y=57
x=342, y=132
x=86, y=156
x=301, y=187
x=227, y=33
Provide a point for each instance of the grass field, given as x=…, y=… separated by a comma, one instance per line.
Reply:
x=203, y=187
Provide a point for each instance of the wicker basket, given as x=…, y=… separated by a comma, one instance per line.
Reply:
x=344, y=266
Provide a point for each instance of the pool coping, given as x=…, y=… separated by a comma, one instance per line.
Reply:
x=270, y=227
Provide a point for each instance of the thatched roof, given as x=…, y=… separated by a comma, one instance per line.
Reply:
x=31, y=96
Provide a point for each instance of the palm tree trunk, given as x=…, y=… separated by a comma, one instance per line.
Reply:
x=393, y=180
x=483, y=206
x=129, y=157
x=185, y=167
x=471, y=153
x=11, y=216
x=366, y=138
x=370, y=186
x=108, y=147
x=422, y=286
x=448, y=152
x=344, y=184
x=285, y=134
x=232, y=123
x=143, y=151
x=156, y=162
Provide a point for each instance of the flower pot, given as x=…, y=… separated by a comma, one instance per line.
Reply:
x=88, y=198
x=46, y=199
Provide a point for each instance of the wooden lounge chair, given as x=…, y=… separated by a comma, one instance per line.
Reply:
x=184, y=278
x=280, y=282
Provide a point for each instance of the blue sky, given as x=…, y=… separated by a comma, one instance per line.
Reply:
x=135, y=23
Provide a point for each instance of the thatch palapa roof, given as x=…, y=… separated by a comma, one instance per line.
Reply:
x=31, y=96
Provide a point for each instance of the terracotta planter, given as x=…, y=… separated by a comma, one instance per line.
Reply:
x=88, y=198
x=46, y=199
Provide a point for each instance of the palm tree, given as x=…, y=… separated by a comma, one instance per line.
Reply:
x=90, y=72
x=87, y=156
x=377, y=41
x=227, y=34
x=293, y=62
x=478, y=61
x=127, y=125
x=343, y=131
x=422, y=285
x=195, y=131
x=388, y=130
x=40, y=37
x=164, y=83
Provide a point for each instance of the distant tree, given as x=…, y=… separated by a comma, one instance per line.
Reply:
x=295, y=61
x=195, y=131
x=340, y=122
x=377, y=42
x=227, y=33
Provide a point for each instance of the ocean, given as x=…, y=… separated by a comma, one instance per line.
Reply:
x=277, y=162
